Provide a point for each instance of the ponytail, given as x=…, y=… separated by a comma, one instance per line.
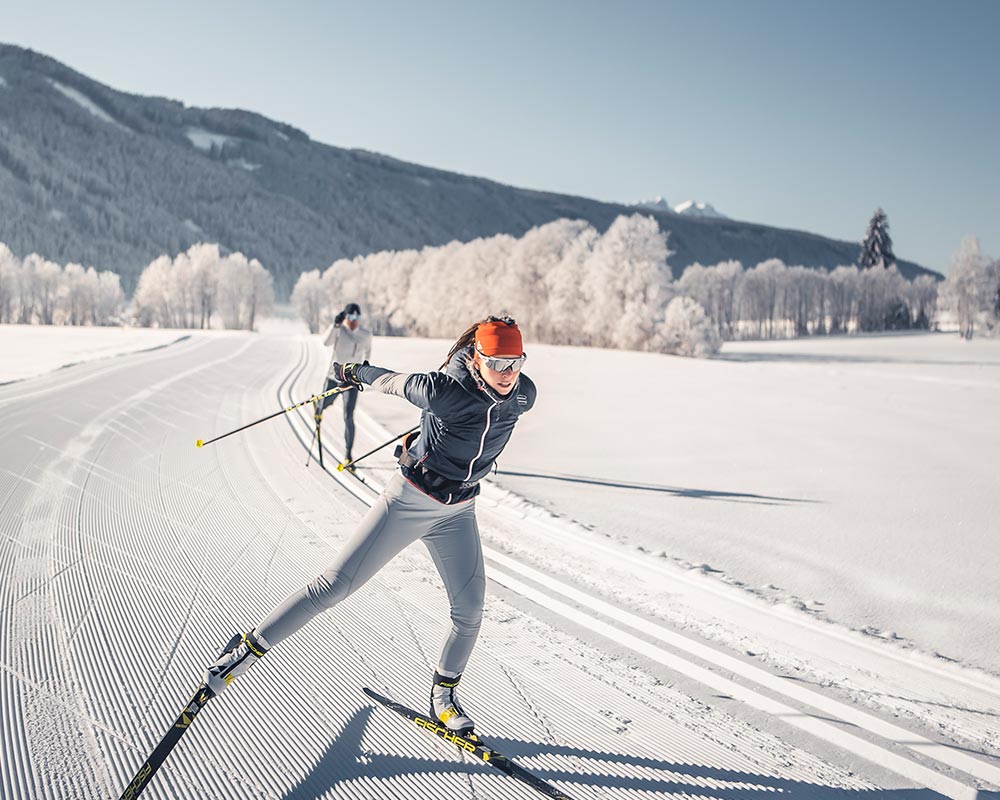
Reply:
x=468, y=336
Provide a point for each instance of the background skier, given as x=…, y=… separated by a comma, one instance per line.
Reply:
x=352, y=344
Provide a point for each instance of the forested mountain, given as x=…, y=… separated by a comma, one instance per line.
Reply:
x=97, y=176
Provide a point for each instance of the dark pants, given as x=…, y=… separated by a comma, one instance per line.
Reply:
x=350, y=401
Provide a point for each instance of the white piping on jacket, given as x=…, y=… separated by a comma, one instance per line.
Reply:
x=482, y=441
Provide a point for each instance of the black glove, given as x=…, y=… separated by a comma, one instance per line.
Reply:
x=344, y=373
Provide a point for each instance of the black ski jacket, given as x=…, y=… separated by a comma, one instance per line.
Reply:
x=465, y=424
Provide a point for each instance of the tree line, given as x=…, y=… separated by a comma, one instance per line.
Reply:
x=564, y=282
x=188, y=290
x=568, y=284
x=36, y=290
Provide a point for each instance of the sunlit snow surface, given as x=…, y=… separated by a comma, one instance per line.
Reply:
x=204, y=139
x=738, y=502
x=30, y=350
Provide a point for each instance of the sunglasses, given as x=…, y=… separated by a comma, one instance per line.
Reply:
x=353, y=316
x=504, y=364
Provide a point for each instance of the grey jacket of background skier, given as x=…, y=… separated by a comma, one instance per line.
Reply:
x=349, y=347
x=465, y=424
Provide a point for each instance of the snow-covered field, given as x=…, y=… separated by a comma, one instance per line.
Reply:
x=769, y=572
x=30, y=350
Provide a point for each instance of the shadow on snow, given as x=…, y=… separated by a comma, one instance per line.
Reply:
x=346, y=760
x=676, y=491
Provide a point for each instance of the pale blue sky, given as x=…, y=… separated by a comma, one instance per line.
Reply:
x=801, y=114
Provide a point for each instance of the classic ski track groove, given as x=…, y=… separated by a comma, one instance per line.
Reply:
x=121, y=576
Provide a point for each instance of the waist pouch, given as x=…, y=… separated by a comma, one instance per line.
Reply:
x=444, y=490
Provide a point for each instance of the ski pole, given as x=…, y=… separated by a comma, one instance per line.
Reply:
x=317, y=417
x=319, y=446
x=353, y=461
x=312, y=399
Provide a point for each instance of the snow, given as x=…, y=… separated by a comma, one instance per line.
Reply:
x=206, y=140
x=689, y=208
x=681, y=555
x=30, y=350
x=3, y=82
x=656, y=204
x=87, y=104
x=242, y=163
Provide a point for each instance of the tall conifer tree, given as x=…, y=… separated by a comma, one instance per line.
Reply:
x=876, y=249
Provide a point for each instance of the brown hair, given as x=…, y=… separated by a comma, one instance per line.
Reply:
x=468, y=337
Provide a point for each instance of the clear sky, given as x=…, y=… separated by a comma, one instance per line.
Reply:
x=805, y=114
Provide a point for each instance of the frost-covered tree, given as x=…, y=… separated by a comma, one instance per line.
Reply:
x=698, y=283
x=43, y=277
x=562, y=286
x=24, y=299
x=433, y=275
x=245, y=291
x=966, y=292
x=921, y=297
x=876, y=249
x=308, y=298
x=389, y=287
x=687, y=330
x=153, y=295
x=184, y=292
x=627, y=283
x=993, y=291
x=78, y=294
x=205, y=263
x=761, y=296
x=804, y=299
x=842, y=290
x=715, y=289
x=41, y=291
x=260, y=302
x=530, y=259
x=110, y=299
x=882, y=300
x=10, y=270
x=480, y=267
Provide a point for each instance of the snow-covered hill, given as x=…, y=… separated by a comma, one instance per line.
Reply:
x=96, y=176
x=614, y=661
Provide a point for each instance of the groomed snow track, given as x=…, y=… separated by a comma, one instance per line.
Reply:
x=128, y=556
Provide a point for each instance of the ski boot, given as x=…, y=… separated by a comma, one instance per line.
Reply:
x=242, y=652
x=445, y=706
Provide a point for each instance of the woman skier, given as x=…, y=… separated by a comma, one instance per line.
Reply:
x=469, y=409
x=351, y=344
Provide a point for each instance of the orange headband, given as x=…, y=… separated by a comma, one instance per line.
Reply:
x=499, y=339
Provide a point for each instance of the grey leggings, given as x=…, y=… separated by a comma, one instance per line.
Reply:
x=399, y=517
